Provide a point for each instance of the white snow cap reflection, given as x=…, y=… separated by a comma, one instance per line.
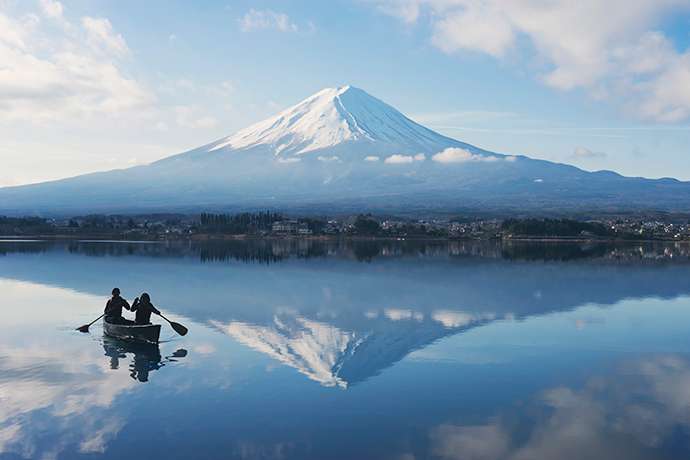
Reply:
x=338, y=356
x=313, y=348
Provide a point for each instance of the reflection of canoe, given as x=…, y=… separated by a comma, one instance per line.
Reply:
x=147, y=356
x=146, y=333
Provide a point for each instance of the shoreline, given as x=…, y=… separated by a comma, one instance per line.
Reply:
x=114, y=238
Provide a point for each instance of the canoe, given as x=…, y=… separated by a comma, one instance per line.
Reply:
x=139, y=333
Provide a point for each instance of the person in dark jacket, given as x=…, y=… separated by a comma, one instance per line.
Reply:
x=143, y=308
x=113, y=309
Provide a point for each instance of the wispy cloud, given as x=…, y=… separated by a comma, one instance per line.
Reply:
x=459, y=155
x=328, y=159
x=573, y=45
x=583, y=153
x=461, y=117
x=404, y=159
x=101, y=35
x=52, y=8
x=193, y=117
x=76, y=73
x=267, y=19
x=288, y=160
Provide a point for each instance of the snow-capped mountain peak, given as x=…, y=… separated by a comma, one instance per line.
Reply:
x=342, y=149
x=331, y=117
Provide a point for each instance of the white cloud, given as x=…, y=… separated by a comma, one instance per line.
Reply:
x=406, y=10
x=288, y=160
x=404, y=159
x=398, y=159
x=267, y=19
x=480, y=28
x=371, y=158
x=459, y=155
x=583, y=153
x=572, y=44
x=47, y=77
x=190, y=117
x=446, y=119
x=329, y=159
x=101, y=35
x=52, y=9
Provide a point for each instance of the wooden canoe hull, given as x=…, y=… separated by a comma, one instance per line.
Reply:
x=149, y=333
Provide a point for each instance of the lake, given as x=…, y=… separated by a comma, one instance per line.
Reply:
x=305, y=349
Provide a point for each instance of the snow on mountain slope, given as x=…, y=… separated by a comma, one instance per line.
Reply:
x=331, y=117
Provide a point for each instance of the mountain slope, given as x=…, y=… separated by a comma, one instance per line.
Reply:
x=333, y=116
x=343, y=149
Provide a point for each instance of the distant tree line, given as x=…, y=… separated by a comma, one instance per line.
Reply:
x=238, y=224
x=24, y=226
x=554, y=227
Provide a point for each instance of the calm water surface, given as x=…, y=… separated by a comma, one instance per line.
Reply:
x=309, y=350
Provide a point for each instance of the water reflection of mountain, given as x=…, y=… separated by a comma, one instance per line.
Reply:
x=343, y=357
x=340, y=321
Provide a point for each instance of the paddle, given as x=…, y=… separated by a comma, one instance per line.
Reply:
x=85, y=327
x=180, y=329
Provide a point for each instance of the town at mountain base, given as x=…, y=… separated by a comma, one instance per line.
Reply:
x=343, y=150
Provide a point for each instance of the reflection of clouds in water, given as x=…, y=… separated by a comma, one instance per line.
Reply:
x=485, y=442
x=399, y=314
x=453, y=318
x=69, y=386
x=204, y=349
x=36, y=378
x=8, y=435
x=98, y=440
x=626, y=415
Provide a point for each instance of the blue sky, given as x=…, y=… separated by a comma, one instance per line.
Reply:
x=88, y=86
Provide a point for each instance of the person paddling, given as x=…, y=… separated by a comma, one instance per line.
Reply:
x=113, y=309
x=143, y=308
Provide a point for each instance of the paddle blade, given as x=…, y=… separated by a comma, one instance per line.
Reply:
x=180, y=329
x=181, y=353
x=84, y=328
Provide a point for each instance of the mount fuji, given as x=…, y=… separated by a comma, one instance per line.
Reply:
x=342, y=149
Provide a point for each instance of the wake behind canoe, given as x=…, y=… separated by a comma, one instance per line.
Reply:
x=140, y=333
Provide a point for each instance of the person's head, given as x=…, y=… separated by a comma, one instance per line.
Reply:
x=145, y=298
x=116, y=292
